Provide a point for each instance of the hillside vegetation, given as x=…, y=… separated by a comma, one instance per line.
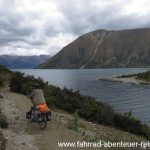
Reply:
x=5, y=76
x=88, y=108
x=144, y=76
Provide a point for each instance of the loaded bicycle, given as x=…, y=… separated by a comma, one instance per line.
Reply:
x=41, y=118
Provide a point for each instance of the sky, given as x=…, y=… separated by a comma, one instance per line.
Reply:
x=34, y=27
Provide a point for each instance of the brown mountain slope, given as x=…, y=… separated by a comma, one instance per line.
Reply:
x=102, y=49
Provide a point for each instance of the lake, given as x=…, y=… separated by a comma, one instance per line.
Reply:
x=123, y=97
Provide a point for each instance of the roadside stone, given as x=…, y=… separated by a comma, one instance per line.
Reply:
x=23, y=143
x=1, y=95
x=13, y=112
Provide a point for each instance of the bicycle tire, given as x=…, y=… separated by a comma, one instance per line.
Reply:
x=43, y=122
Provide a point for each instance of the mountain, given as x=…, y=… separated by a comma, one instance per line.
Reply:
x=105, y=49
x=22, y=62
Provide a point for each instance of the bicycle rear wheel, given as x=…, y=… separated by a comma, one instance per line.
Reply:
x=42, y=121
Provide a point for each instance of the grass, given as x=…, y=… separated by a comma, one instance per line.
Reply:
x=144, y=76
x=74, y=123
x=3, y=122
x=1, y=82
x=5, y=75
x=127, y=76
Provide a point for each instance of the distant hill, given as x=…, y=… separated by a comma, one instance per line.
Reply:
x=22, y=62
x=105, y=49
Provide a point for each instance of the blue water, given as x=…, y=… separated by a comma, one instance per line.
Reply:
x=123, y=97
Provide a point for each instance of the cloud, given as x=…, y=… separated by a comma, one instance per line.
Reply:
x=30, y=27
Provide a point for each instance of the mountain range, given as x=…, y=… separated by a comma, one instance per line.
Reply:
x=105, y=49
x=22, y=62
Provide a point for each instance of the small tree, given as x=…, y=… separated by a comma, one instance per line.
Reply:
x=76, y=121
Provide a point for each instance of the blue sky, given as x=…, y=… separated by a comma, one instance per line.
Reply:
x=33, y=27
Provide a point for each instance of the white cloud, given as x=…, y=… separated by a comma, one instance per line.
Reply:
x=30, y=27
x=137, y=7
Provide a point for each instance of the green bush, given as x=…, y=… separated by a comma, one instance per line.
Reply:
x=132, y=125
x=4, y=70
x=51, y=101
x=3, y=122
x=24, y=84
x=74, y=123
x=145, y=76
x=1, y=82
x=5, y=75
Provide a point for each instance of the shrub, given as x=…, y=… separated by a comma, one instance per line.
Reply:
x=51, y=101
x=74, y=123
x=24, y=84
x=4, y=75
x=1, y=82
x=144, y=76
x=4, y=70
x=3, y=122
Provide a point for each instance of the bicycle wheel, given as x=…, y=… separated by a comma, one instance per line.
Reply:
x=42, y=121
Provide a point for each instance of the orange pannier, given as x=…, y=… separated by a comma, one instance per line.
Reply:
x=43, y=108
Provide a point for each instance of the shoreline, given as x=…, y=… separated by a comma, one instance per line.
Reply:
x=130, y=80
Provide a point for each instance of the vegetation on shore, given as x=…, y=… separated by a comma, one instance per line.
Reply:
x=3, y=121
x=88, y=108
x=5, y=74
x=144, y=76
x=1, y=82
x=4, y=70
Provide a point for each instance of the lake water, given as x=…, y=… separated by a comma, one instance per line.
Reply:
x=123, y=97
